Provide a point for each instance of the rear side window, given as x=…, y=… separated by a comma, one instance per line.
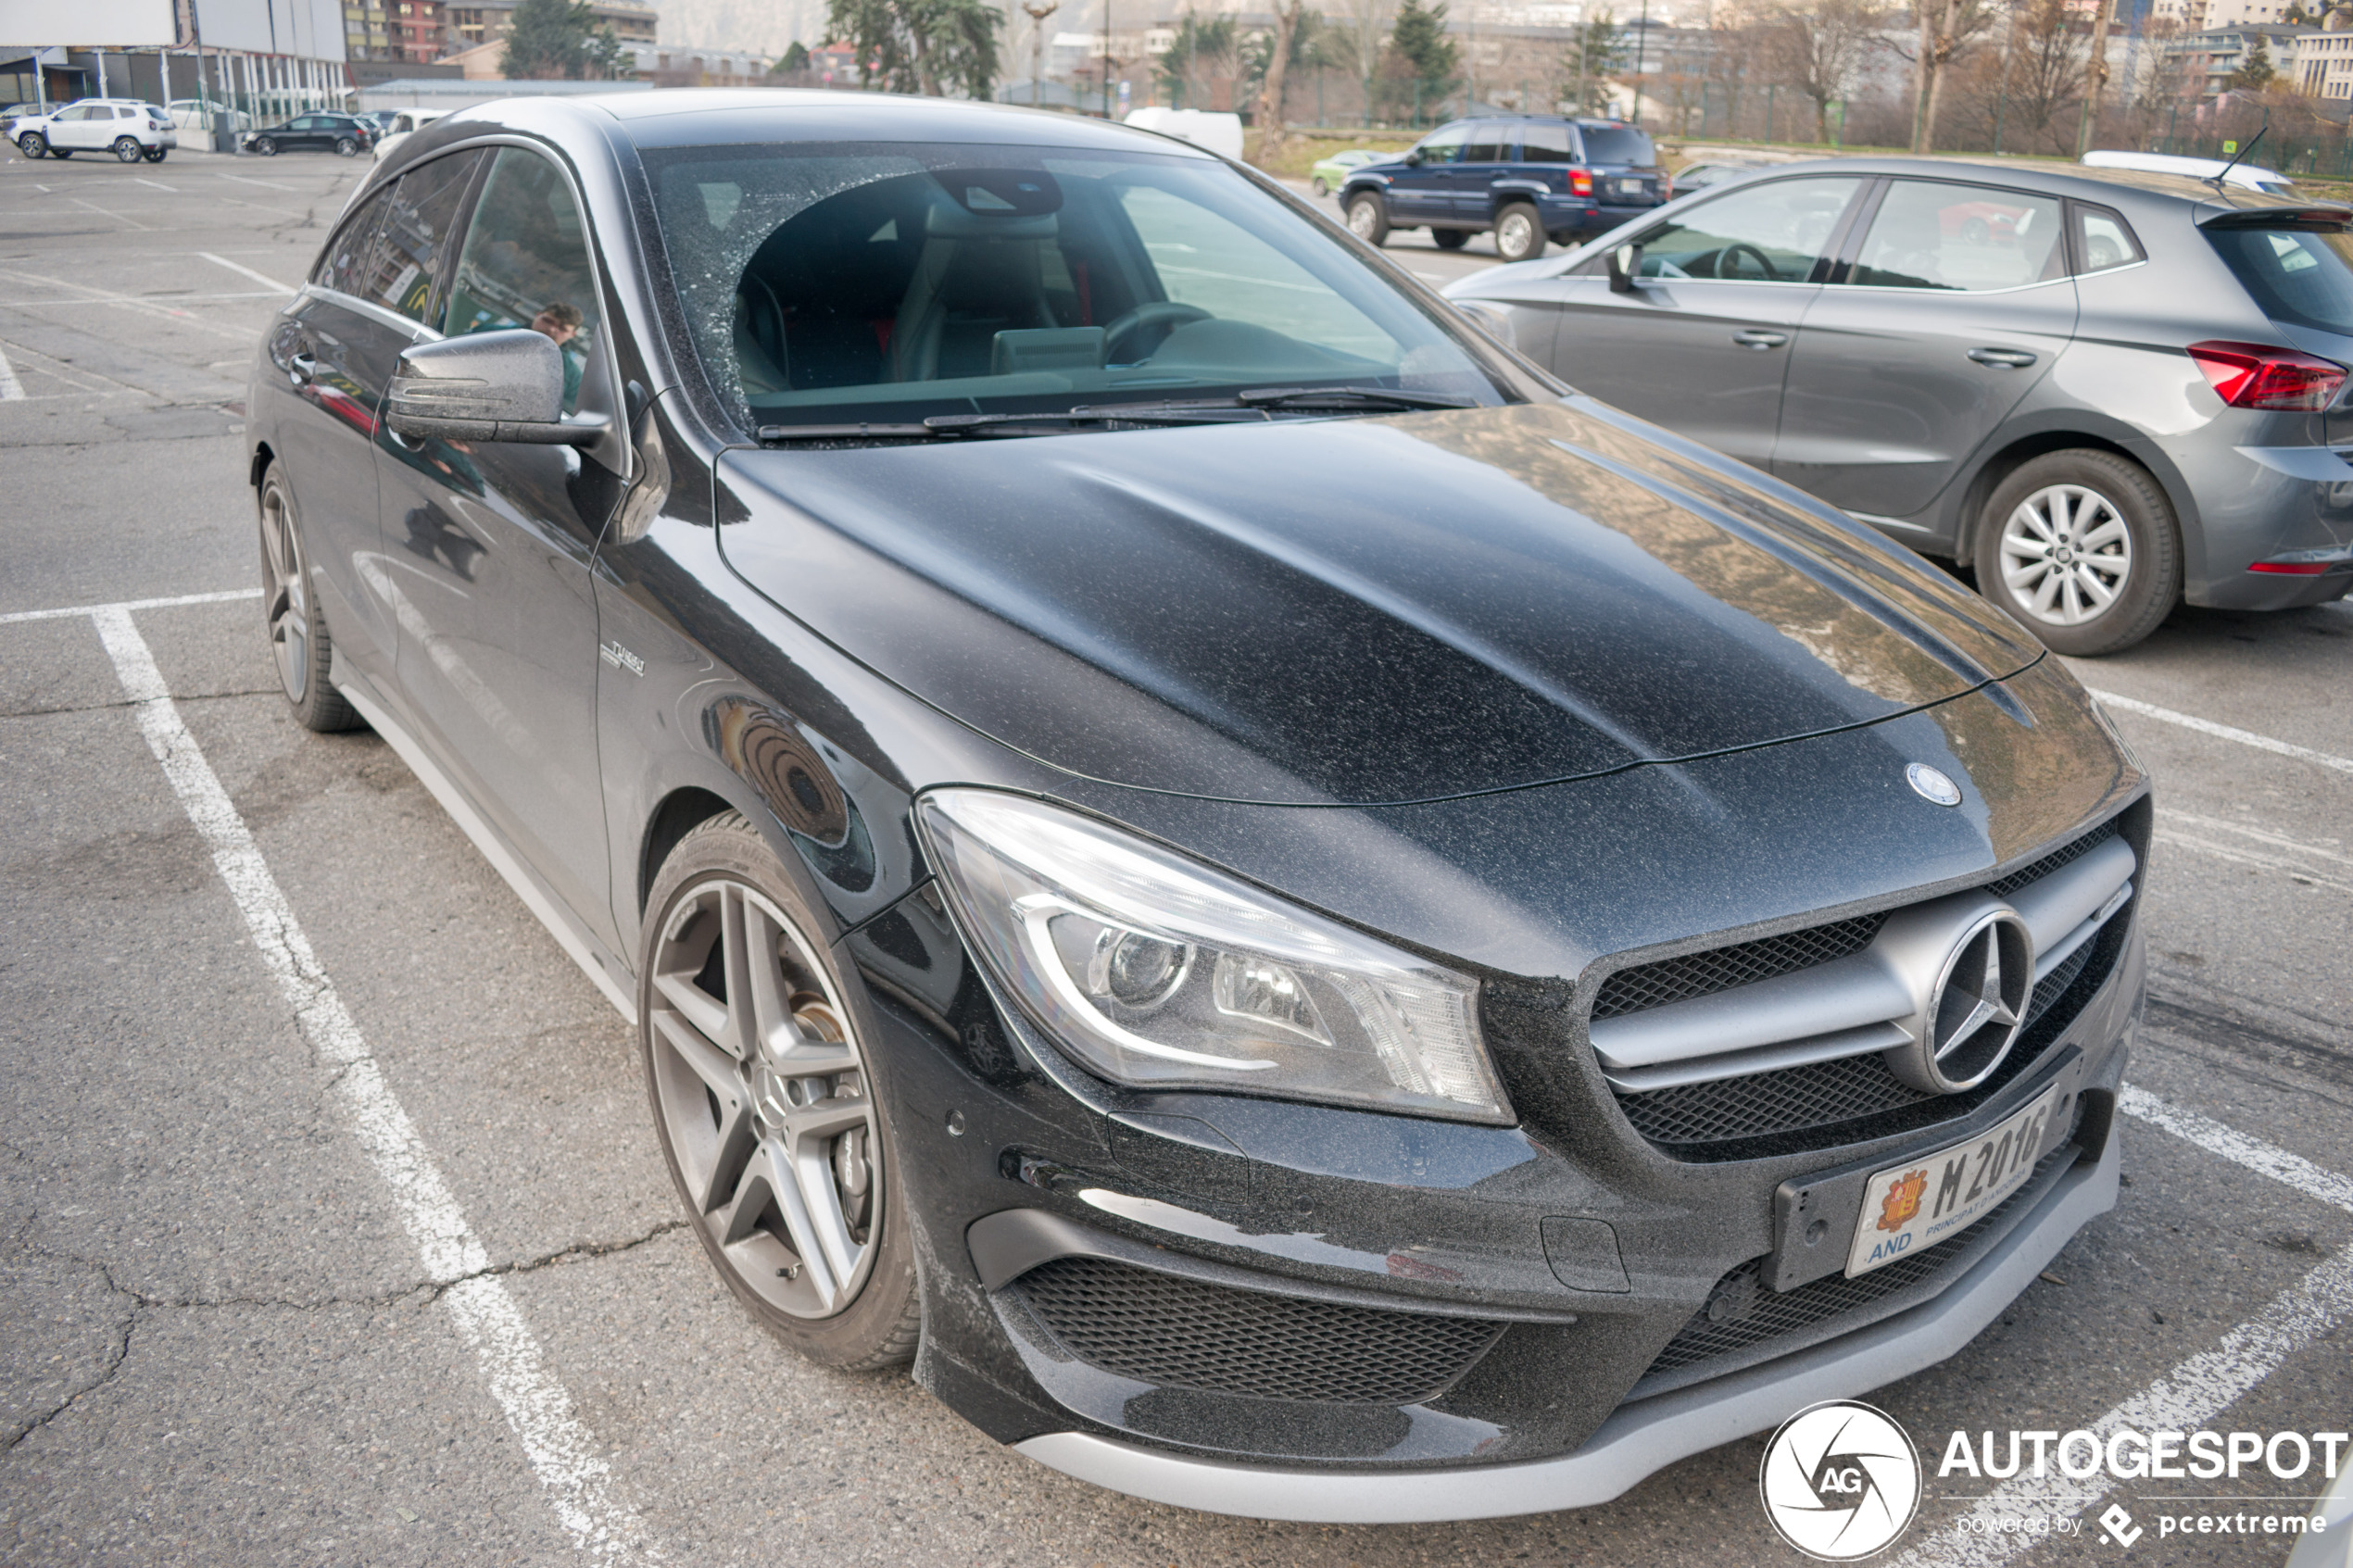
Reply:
x=1618, y=143
x=417, y=228
x=1546, y=144
x=2293, y=275
x=346, y=263
x=2104, y=241
x=1970, y=239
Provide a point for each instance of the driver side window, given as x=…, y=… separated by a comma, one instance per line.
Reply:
x=1768, y=233
x=1444, y=144
x=526, y=264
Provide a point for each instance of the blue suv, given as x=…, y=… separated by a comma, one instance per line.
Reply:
x=1526, y=176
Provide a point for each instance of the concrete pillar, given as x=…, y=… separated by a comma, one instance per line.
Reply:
x=163, y=66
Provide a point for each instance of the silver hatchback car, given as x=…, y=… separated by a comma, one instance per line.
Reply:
x=2107, y=391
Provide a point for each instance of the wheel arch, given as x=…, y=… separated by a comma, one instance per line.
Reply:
x=2022, y=446
x=260, y=464
x=674, y=816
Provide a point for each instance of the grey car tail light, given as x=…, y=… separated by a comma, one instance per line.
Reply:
x=1881, y=1010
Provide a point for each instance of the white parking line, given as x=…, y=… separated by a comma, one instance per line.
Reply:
x=102, y=212
x=2196, y=1390
x=128, y=605
x=157, y=183
x=11, y=389
x=2224, y=731
x=242, y=180
x=560, y=1448
x=246, y=271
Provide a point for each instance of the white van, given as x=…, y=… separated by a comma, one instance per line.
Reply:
x=2253, y=177
x=1220, y=134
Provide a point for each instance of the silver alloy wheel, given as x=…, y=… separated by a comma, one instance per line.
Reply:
x=285, y=592
x=2066, y=554
x=1513, y=233
x=765, y=1098
x=1361, y=217
x=128, y=151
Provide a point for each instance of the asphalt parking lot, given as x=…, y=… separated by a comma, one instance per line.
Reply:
x=333, y=1228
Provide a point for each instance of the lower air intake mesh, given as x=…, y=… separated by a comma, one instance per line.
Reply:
x=1186, y=1333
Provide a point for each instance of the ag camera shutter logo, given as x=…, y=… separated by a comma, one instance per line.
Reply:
x=1841, y=1481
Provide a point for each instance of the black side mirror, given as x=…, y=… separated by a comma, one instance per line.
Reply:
x=1625, y=266
x=487, y=386
x=1414, y=156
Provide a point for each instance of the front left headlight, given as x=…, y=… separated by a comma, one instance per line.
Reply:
x=1154, y=971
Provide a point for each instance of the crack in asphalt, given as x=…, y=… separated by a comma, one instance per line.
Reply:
x=141, y=1302
x=106, y=707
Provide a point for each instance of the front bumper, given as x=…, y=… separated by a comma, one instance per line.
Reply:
x=1163, y=1292
x=1638, y=1439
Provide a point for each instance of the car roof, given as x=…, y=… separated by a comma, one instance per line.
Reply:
x=2085, y=183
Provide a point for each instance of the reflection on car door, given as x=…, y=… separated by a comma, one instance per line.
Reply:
x=330, y=358
x=1701, y=343
x=1957, y=303
x=487, y=544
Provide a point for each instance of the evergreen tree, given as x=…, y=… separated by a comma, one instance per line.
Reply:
x=1600, y=51
x=1419, y=38
x=549, y=41
x=2254, y=71
x=795, y=58
x=926, y=46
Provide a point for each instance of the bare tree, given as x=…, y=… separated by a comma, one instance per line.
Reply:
x=1272, y=134
x=1946, y=26
x=2045, y=84
x=1738, y=44
x=1816, y=46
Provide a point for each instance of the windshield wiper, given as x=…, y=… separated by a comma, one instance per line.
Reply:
x=1348, y=397
x=939, y=427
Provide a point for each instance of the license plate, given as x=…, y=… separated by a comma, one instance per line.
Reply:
x=1630, y=187
x=1911, y=1207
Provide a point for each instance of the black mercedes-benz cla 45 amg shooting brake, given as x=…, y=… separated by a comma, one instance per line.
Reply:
x=1311, y=923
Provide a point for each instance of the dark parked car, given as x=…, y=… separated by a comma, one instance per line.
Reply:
x=346, y=135
x=1311, y=927
x=2108, y=391
x=1528, y=178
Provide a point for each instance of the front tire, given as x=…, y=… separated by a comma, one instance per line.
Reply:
x=1450, y=239
x=772, y=1120
x=266, y=146
x=2081, y=547
x=1368, y=218
x=1322, y=186
x=299, y=644
x=1519, y=232
x=34, y=144
x=128, y=150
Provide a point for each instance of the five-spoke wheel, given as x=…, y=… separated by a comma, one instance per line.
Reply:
x=767, y=1106
x=299, y=643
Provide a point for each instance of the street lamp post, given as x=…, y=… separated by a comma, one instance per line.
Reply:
x=1038, y=15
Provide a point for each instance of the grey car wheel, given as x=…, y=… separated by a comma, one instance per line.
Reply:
x=1520, y=233
x=128, y=150
x=299, y=644
x=1368, y=218
x=345, y=146
x=2081, y=546
x=766, y=1104
x=34, y=144
x=266, y=146
x=1322, y=187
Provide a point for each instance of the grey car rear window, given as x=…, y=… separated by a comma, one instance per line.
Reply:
x=2294, y=275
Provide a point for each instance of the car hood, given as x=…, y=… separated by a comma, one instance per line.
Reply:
x=1357, y=610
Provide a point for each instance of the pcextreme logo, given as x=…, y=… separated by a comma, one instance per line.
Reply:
x=1841, y=1480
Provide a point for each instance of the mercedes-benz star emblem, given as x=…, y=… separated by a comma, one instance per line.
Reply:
x=1976, y=1008
x=1933, y=786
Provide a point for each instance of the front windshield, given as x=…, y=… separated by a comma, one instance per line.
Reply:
x=827, y=283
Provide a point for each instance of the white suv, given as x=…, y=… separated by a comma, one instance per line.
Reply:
x=125, y=127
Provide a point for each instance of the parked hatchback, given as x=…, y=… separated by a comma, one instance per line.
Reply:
x=2107, y=391
x=346, y=135
x=1528, y=178
x=1331, y=932
x=126, y=127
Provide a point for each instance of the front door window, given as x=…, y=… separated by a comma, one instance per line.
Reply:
x=526, y=264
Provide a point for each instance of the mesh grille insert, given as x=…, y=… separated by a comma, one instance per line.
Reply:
x=1832, y=1296
x=1720, y=969
x=1188, y=1333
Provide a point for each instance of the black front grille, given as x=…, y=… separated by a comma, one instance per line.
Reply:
x=1824, y=1102
x=1765, y=1316
x=1720, y=969
x=1182, y=1332
x=1828, y=1094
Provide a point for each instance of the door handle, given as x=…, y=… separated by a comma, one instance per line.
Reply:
x=2002, y=359
x=1760, y=339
